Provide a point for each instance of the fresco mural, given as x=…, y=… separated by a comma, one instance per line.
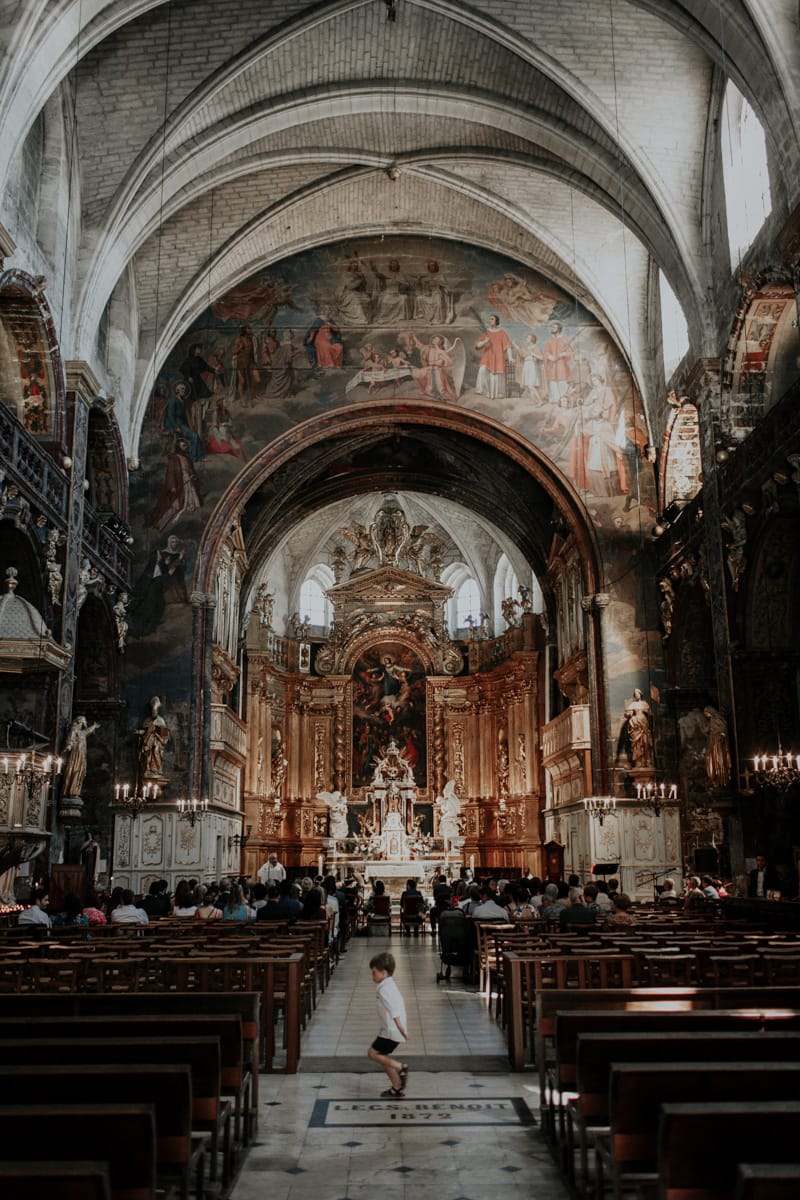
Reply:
x=404, y=317
x=394, y=318
x=388, y=701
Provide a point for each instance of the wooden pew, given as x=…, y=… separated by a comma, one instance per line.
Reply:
x=228, y=1028
x=560, y=1078
x=588, y=1113
x=637, y=1091
x=700, y=1147
x=641, y=999
x=64, y=1180
x=247, y=1005
x=768, y=1181
x=211, y=1113
x=168, y=1088
x=125, y=1134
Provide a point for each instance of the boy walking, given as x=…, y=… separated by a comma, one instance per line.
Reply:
x=393, y=1025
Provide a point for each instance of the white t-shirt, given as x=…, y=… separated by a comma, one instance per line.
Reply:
x=390, y=1005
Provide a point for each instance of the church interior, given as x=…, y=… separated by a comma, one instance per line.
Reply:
x=399, y=442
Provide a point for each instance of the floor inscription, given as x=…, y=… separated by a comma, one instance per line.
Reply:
x=495, y=1110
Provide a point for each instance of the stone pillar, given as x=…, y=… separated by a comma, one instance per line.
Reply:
x=601, y=735
x=199, y=781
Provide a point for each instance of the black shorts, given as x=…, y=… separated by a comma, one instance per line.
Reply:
x=383, y=1045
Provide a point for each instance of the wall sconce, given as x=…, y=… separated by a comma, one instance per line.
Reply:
x=240, y=840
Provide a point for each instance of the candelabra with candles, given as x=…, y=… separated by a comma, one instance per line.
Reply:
x=32, y=770
x=777, y=771
x=654, y=794
x=192, y=810
x=132, y=801
x=599, y=807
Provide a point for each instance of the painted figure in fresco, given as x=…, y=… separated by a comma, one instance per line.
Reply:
x=196, y=371
x=435, y=376
x=530, y=369
x=267, y=345
x=638, y=729
x=717, y=752
x=153, y=737
x=391, y=294
x=497, y=351
x=323, y=343
x=162, y=583
x=515, y=299
x=353, y=303
x=177, y=417
x=180, y=492
x=243, y=357
x=75, y=755
x=433, y=300
x=557, y=361
x=282, y=381
x=220, y=440
x=604, y=459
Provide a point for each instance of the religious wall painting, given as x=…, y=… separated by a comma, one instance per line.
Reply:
x=35, y=397
x=372, y=319
x=389, y=701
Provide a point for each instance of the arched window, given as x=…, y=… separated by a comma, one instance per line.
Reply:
x=468, y=603
x=506, y=584
x=313, y=603
x=748, y=199
x=674, y=330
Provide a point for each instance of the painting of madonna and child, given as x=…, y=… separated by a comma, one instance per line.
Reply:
x=393, y=319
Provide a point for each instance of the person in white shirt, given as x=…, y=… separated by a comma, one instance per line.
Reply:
x=127, y=913
x=393, y=1025
x=489, y=909
x=36, y=914
x=271, y=871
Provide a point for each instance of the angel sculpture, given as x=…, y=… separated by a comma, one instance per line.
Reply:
x=364, y=550
x=337, y=805
x=418, y=538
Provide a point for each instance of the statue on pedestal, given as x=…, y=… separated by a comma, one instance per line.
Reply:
x=337, y=814
x=450, y=818
x=75, y=753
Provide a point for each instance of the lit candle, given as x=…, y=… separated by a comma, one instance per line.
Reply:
x=662, y=791
x=5, y=765
x=126, y=787
x=116, y=792
x=155, y=791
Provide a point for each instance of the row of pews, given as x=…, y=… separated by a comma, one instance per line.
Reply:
x=141, y=1081
x=651, y=1091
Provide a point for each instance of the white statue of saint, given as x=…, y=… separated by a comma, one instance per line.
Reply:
x=449, y=812
x=337, y=805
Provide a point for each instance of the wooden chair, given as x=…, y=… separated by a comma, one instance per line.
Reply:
x=381, y=915
x=66, y=1180
x=768, y=1181
x=412, y=919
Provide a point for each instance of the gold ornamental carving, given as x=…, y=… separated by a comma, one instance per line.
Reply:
x=457, y=764
x=320, y=742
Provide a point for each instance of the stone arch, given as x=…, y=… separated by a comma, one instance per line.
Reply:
x=106, y=469
x=762, y=352
x=278, y=471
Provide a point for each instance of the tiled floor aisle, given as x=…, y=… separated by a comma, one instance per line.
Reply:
x=460, y=1134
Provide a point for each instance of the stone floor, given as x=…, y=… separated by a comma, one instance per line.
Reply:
x=467, y=1130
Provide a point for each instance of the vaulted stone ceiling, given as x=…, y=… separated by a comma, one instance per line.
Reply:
x=212, y=139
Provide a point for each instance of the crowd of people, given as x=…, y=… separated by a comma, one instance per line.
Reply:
x=344, y=903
